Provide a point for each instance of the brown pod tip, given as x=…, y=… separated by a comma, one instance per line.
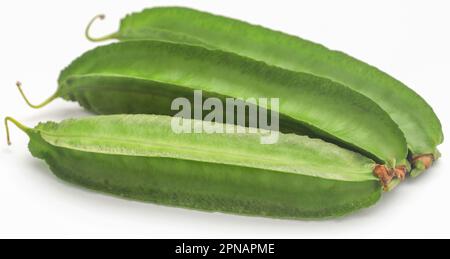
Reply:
x=421, y=163
x=400, y=172
x=384, y=174
x=425, y=160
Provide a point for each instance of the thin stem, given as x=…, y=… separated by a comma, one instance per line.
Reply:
x=93, y=39
x=18, y=124
x=49, y=100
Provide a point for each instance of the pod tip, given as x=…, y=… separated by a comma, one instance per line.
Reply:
x=421, y=163
x=390, y=177
x=400, y=172
x=384, y=174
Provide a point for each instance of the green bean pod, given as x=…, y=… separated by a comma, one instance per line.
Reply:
x=140, y=157
x=144, y=77
x=414, y=116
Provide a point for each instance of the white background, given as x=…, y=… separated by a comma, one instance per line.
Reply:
x=408, y=39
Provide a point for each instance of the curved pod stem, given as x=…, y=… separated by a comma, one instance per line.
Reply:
x=100, y=39
x=15, y=122
x=34, y=106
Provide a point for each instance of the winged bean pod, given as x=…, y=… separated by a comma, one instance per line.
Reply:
x=140, y=157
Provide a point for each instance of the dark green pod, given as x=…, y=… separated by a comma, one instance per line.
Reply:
x=414, y=116
x=146, y=76
x=139, y=157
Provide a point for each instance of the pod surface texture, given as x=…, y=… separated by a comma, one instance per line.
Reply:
x=139, y=157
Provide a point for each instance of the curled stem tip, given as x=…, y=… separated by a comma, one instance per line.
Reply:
x=15, y=122
x=88, y=30
x=34, y=106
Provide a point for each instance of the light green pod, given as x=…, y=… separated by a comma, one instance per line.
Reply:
x=414, y=116
x=144, y=77
x=140, y=157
